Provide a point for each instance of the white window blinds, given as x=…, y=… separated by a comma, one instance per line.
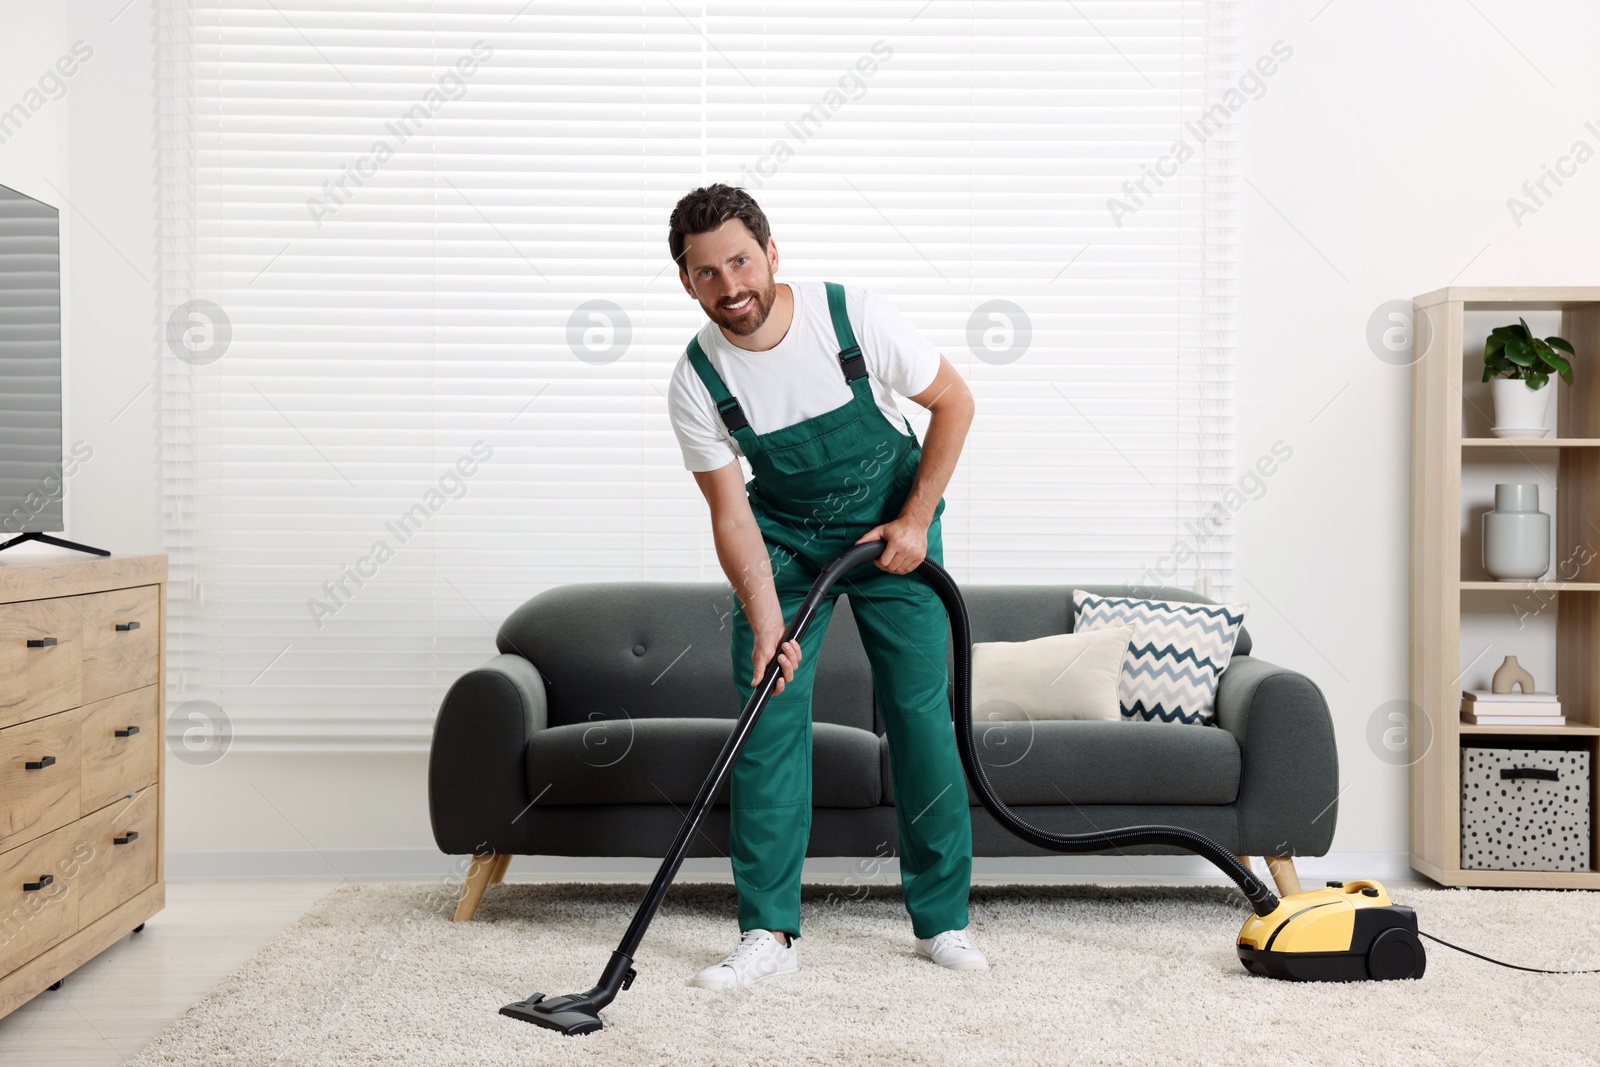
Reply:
x=420, y=313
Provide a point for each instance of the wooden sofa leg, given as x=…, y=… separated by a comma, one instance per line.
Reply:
x=478, y=877
x=1283, y=873
x=498, y=874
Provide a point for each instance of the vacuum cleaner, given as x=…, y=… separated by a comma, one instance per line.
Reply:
x=1341, y=933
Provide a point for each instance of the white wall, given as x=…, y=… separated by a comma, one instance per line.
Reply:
x=1378, y=164
x=35, y=37
x=114, y=499
x=1385, y=152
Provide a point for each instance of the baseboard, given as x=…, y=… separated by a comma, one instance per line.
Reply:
x=367, y=864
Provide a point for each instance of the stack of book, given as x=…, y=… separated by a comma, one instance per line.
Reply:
x=1480, y=707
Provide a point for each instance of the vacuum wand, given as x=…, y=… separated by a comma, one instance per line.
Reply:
x=579, y=1013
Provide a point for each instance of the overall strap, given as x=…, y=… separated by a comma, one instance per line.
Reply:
x=851, y=360
x=727, y=404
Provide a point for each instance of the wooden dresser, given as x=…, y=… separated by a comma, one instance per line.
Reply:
x=82, y=657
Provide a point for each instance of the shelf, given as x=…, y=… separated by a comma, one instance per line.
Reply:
x=1454, y=875
x=1512, y=297
x=1554, y=620
x=1530, y=442
x=1543, y=585
x=1569, y=730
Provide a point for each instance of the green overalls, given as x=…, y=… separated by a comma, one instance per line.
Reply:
x=818, y=486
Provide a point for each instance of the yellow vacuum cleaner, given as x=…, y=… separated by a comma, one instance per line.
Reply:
x=1346, y=932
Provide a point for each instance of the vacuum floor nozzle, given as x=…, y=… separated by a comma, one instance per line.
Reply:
x=570, y=1014
x=577, y=1013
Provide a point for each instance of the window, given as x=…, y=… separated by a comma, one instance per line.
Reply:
x=420, y=313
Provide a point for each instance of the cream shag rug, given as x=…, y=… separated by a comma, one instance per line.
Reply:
x=377, y=974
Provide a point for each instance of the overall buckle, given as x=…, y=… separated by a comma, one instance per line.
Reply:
x=853, y=363
x=732, y=414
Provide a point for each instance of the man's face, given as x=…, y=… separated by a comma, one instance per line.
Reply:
x=731, y=277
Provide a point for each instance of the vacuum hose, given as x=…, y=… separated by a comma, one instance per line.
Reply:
x=1262, y=899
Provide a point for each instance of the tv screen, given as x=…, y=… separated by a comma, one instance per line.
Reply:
x=31, y=451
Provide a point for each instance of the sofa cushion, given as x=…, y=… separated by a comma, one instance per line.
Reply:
x=1062, y=676
x=666, y=761
x=1178, y=650
x=648, y=650
x=1088, y=762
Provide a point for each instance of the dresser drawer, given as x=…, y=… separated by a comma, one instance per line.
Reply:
x=121, y=640
x=120, y=858
x=119, y=747
x=39, y=777
x=36, y=918
x=47, y=677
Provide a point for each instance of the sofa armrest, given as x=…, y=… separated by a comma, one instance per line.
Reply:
x=1289, y=761
x=477, y=764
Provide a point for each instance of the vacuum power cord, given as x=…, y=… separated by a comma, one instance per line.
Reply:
x=1501, y=963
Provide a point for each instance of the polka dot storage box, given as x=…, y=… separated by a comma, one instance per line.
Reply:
x=1524, y=809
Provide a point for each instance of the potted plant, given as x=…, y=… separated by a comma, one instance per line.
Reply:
x=1520, y=366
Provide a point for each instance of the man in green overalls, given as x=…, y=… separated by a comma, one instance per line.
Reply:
x=800, y=380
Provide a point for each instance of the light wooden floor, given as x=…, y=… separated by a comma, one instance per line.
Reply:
x=118, y=1002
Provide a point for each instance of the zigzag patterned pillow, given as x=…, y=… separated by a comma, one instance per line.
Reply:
x=1169, y=673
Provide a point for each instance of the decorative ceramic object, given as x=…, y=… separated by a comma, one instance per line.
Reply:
x=1516, y=534
x=1518, y=410
x=1511, y=673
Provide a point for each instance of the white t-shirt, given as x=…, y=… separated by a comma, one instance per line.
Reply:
x=799, y=377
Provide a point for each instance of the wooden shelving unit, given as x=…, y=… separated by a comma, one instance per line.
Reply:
x=1451, y=411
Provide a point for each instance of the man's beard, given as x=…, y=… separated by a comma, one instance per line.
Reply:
x=753, y=317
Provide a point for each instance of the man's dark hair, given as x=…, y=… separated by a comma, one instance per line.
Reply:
x=706, y=208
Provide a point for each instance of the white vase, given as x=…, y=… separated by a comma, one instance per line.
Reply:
x=1518, y=410
x=1516, y=534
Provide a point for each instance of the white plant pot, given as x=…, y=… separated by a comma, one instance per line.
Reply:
x=1518, y=410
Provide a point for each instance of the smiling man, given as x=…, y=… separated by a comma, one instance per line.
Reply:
x=800, y=379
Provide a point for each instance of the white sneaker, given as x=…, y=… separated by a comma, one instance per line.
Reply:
x=952, y=949
x=760, y=956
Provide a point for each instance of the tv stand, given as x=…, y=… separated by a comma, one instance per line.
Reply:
x=59, y=542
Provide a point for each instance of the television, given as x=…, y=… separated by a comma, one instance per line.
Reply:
x=32, y=478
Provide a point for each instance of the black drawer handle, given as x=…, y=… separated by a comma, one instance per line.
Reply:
x=41, y=642
x=1544, y=773
x=44, y=880
x=125, y=626
x=127, y=731
x=40, y=764
x=131, y=835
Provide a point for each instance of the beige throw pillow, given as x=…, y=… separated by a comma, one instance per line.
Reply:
x=1063, y=676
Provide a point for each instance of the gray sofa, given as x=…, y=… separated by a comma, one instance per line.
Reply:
x=593, y=730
